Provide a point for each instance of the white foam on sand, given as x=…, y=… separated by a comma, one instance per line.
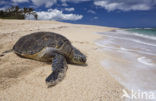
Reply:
x=130, y=61
x=132, y=75
x=129, y=39
x=145, y=61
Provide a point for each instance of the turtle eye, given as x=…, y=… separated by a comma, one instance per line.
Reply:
x=83, y=60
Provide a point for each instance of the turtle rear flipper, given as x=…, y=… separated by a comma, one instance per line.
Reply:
x=59, y=67
x=5, y=52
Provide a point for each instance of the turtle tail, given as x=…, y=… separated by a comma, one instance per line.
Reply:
x=5, y=52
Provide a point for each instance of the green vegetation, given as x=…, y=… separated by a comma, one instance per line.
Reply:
x=15, y=12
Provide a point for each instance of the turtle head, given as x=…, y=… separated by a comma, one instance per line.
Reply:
x=78, y=57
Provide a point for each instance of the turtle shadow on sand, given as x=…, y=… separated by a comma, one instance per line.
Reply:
x=80, y=65
x=51, y=48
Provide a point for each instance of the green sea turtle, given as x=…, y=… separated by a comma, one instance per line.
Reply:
x=49, y=46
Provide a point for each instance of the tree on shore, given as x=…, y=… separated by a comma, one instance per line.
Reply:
x=15, y=12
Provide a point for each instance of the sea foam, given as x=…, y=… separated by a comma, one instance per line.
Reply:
x=131, y=59
x=145, y=61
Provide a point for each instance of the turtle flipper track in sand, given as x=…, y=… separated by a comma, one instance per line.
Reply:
x=5, y=52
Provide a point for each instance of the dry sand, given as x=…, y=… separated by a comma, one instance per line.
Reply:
x=24, y=79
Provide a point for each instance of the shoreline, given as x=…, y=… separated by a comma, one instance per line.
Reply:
x=133, y=59
x=24, y=79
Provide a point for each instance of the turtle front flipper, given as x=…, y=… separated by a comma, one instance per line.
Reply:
x=59, y=67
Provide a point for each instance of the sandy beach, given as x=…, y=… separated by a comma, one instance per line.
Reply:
x=24, y=79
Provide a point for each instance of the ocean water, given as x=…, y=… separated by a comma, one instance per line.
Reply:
x=134, y=57
x=143, y=31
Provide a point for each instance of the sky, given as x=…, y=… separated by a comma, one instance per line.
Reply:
x=112, y=13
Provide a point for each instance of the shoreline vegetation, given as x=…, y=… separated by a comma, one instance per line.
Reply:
x=15, y=12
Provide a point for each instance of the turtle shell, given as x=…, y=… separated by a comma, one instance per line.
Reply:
x=35, y=42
